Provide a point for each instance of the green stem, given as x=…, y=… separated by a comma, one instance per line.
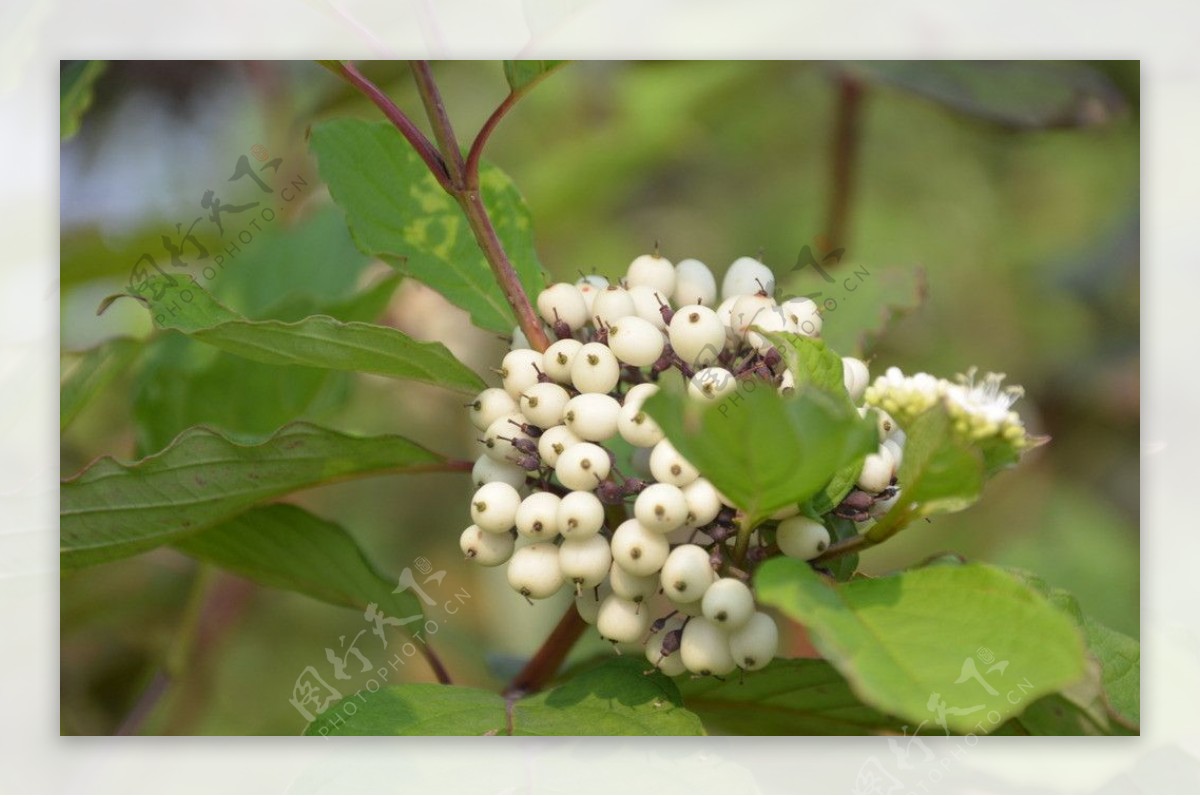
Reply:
x=744, y=529
x=891, y=524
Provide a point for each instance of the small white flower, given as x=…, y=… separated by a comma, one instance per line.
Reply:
x=983, y=408
x=905, y=397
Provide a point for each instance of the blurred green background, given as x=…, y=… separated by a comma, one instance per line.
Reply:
x=1027, y=239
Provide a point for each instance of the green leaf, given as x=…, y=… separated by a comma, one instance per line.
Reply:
x=185, y=383
x=933, y=637
x=788, y=697
x=841, y=529
x=811, y=361
x=838, y=487
x=76, y=80
x=94, y=371
x=615, y=698
x=1118, y=656
x=938, y=473
x=113, y=510
x=1021, y=95
x=285, y=547
x=318, y=341
x=762, y=451
x=397, y=211
x=522, y=75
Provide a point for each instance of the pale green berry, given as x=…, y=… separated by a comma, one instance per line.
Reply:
x=801, y=537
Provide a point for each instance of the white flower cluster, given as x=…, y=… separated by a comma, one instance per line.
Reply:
x=982, y=410
x=553, y=504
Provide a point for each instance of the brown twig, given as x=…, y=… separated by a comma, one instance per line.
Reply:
x=550, y=656
x=843, y=160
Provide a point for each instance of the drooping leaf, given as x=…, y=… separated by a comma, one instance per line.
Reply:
x=317, y=341
x=616, y=698
x=761, y=450
x=76, y=82
x=950, y=645
x=113, y=510
x=522, y=75
x=94, y=371
x=1022, y=95
x=286, y=547
x=397, y=211
x=788, y=697
x=184, y=383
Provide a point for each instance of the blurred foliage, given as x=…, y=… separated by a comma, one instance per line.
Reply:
x=1028, y=241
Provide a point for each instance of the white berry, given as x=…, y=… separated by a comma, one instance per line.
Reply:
x=582, y=466
x=537, y=516
x=585, y=562
x=756, y=643
x=519, y=370
x=630, y=586
x=639, y=550
x=635, y=426
x=697, y=335
x=687, y=573
x=580, y=515
x=592, y=416
x=487, y=469
x=653, y=271
x=622, y=620
x=543, y=404
x=589, y=286
x=486, y=549
x=768, y=321
x=694, y=284
x=802, y=316
x=595, y=369
x=612, y=304
x=489, y=405
x=533, y=571
x=711, y=384
x=635, y=341
x=747, y=276
x=787, y=383
x=587, y=603
x=563, y=302
x=553, y=442
x=704, y=648
x=728, y=602
x=494, y=507
x=801, y=537
x=856, y=377
x=876, y=472
x=648, y=304
x=559, y=357
x=748, y=311
x=498, y=439
x=668, y=466
x=703, y=503
x=661, y=508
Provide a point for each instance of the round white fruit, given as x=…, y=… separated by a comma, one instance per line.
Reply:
x=586, y=561
x=639, y=550
x=519, y=370
x=563, y=302
x=668, y=466
x=728, y=603
x=559, y=357
x=580, y=515
x=487, y=470
x=697, y=335
x=553, y=442
x=630, y=586
x=653, y=271
x=622, y=620
x=582, y=466
x=595, y=369
x=635, y=341
x=694, y=284
x=612, y=304
x=490, y=404
x=856, y=377
x=494, y=507
x=592, y=416
x=756, y=643
x=537, y=516
x=747, y=276
x=661, y=507
x=801, y=537
x=687, y=573
x=711, y=384
x=533, y=571
x=486, y=549
x=704, y=648
x=543, y=404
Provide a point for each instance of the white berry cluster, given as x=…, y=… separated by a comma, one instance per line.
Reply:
x=648, y=550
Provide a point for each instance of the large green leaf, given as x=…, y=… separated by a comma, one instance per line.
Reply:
x=318, y=341
x=396, y=210
x=285, y=547
x=184, y=383
x=523, y=75
x=94, y=371
x=789, y=697
x=764, y=451
x=952, y=645
x=1118, y=656
x=616, y=698
x=76, y=82
x=1026, y=95
x=113, y=510
x=811, y=361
